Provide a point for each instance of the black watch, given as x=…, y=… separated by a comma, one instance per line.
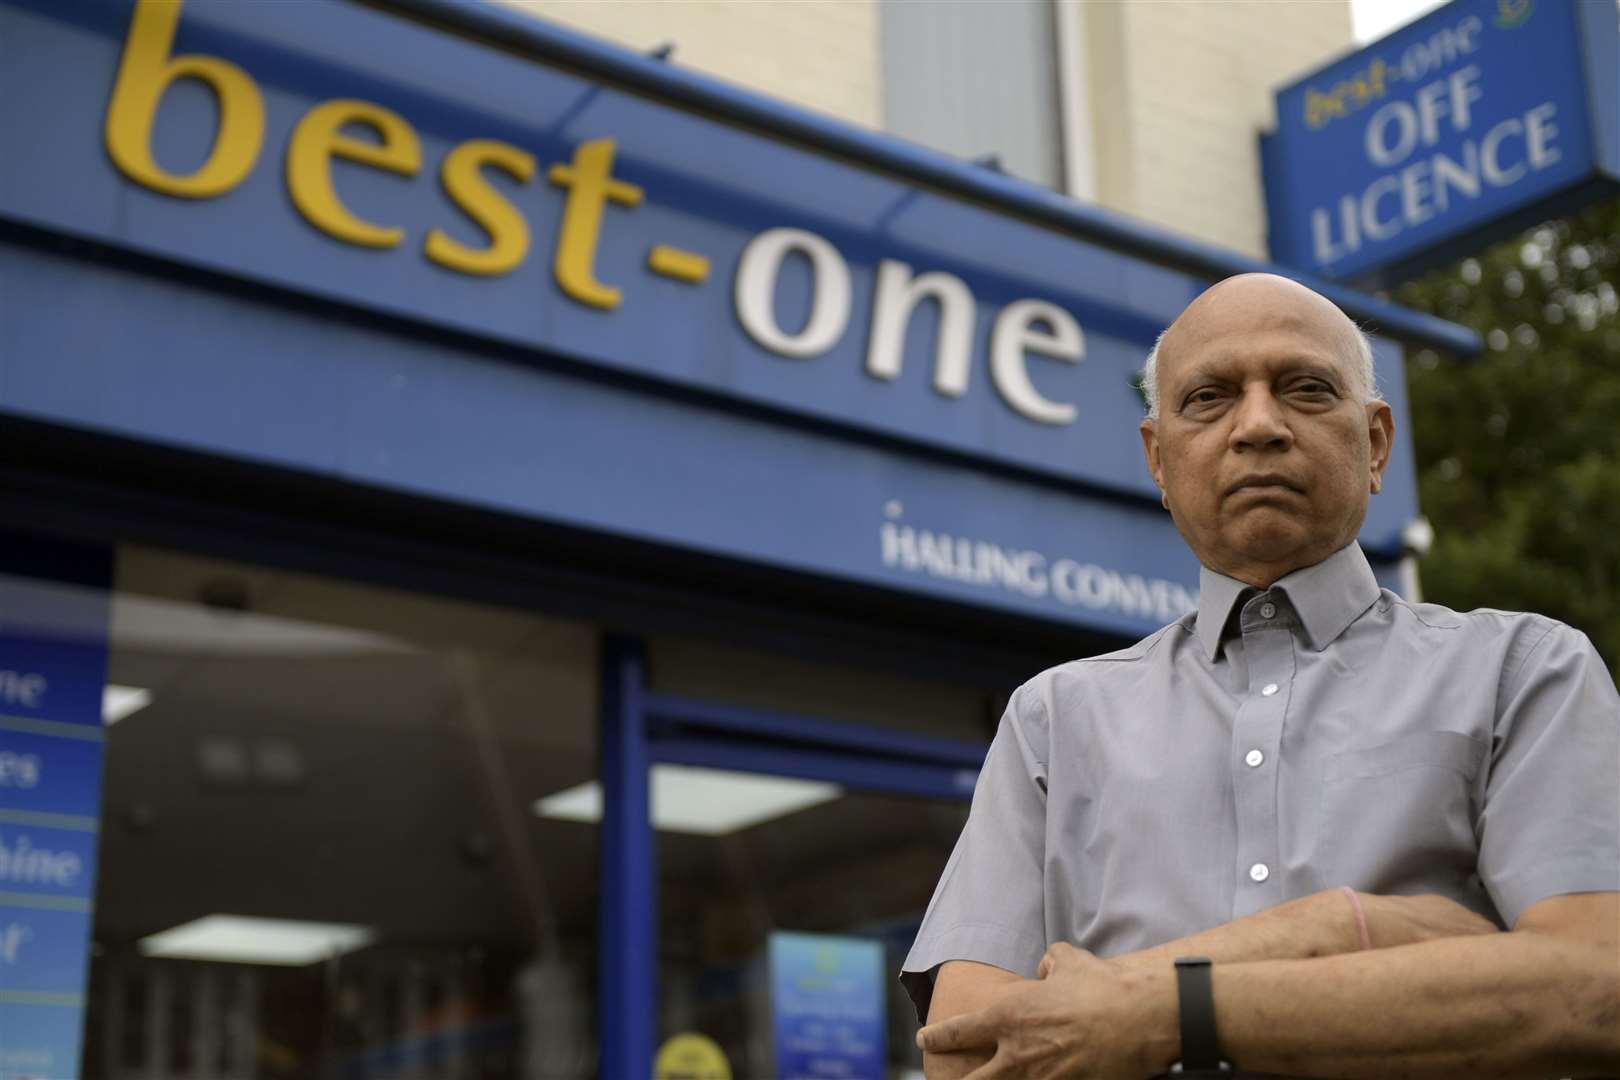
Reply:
x=1199, y=1050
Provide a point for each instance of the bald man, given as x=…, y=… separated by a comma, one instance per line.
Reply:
x=1312, y=829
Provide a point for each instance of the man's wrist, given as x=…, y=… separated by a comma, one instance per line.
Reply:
x=1161, y=1031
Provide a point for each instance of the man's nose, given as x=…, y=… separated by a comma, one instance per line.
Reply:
x=1259, y=422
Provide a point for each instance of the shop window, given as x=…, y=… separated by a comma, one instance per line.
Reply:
x=321, y=853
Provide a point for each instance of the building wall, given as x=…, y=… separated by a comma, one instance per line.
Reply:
x=1178, y=89
x=824, y=55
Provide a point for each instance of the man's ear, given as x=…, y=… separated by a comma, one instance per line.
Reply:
x=1155, y=463
x=1381, y=435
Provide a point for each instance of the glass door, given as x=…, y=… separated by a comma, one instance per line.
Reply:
x=764, y=874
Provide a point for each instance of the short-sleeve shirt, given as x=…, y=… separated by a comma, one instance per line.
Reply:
x=1319, y=733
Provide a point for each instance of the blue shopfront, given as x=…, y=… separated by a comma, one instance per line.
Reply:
x=513, y=551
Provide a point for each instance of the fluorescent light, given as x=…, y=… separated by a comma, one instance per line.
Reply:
x=241, y=940
x=117, y=702
x=707, y=802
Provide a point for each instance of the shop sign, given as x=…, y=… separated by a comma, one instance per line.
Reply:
x=338, y=152
x=53, y=654
x=328, y=239
x=1455, y=130
x=827, y=1005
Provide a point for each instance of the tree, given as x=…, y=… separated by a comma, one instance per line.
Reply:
x=1518, y=451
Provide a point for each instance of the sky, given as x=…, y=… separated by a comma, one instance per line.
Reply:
x=1375, y=18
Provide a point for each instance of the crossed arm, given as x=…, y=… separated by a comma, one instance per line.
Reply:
x=1442, y=993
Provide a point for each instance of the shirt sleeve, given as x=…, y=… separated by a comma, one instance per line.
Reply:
x=989, y=904
x=1550, y=821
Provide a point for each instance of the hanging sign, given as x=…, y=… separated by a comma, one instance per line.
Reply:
x=1474, y=121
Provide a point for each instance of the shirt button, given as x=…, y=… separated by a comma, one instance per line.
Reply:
x=1253, y=758
x=1267, y=610
x=1268, y=689
x=1259, y=872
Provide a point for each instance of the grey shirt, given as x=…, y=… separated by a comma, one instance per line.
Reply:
x=1320, y=733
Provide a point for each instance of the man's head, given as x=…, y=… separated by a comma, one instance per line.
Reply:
x=1265, y=433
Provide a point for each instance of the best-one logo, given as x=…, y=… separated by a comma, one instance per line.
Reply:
x=1021, y=329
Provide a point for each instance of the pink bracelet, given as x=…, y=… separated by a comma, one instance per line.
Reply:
x=1361, y=917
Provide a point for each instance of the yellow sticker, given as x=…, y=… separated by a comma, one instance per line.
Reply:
x=691, y=1056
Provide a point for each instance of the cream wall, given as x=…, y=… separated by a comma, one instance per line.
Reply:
x=823, y=54
x=1178, y=89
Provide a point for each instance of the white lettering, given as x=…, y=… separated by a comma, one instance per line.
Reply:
x=1414, y=189
x=1464, y=178
x=1465, y=90
x=25, y=688
x=19, y=770
x=1539, y=132
x=1379, y=230
x=757, y=273
x=898, y=294
x=1495, y=175
x=12, y=939
x=1430, y=106
x=1072, y=583
x=23, y=864
x=1015, y=334
x=1322, y=245
x=1379, y=149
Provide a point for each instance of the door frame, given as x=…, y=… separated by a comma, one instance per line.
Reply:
x=640, y=728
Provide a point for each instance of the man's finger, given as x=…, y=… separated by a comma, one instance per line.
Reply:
x=1056, y=953
x=965, y=1032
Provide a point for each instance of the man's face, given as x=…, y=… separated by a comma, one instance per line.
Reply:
x=1264, y=450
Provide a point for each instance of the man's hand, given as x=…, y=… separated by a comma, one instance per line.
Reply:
x=1084, y=1017
x=1322, y=924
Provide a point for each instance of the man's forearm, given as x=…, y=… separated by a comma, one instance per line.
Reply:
x=1322, y=924
x=1506, y=1005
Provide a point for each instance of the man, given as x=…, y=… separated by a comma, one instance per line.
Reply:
x=1221, y=787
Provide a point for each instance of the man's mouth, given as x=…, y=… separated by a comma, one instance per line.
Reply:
x=1262, y=483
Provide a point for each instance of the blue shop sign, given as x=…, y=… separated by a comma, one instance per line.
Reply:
x=352, y=246
x=1475, y=120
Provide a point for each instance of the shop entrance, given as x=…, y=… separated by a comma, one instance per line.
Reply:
x=762, y=877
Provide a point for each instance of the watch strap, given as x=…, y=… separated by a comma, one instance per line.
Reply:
x=1195, y=990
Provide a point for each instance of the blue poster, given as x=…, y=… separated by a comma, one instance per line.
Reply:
x=38, y=1042
x=827, y=1006
x=53, y=660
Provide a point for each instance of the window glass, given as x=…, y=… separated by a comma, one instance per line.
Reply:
x=321, y=854
x=975, y=77
x=781, y=937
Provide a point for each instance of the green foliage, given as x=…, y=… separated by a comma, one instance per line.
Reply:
x=1518, y=452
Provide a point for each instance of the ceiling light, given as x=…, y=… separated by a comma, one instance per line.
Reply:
x=118, y=702
x=707, y=802
x=238, y=939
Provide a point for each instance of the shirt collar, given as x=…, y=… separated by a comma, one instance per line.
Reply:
x=1327, y=597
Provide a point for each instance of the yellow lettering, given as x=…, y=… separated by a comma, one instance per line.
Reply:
x=319, y=138
x=590, y=185
x=508, y=232
x=145, y=73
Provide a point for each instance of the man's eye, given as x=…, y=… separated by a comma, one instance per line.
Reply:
x=1313, y=388
x=1206, y=396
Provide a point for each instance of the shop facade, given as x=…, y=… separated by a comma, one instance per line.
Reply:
x=515, y=551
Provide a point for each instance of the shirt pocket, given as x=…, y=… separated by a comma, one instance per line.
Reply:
x=1399, y=817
